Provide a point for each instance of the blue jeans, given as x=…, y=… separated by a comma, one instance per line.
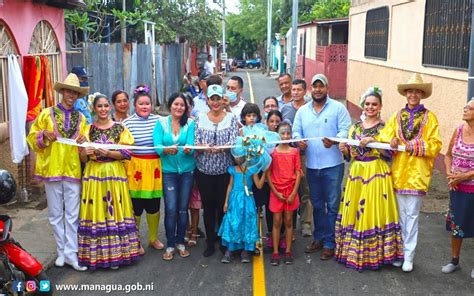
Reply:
x=177, y=190
x=325, y=192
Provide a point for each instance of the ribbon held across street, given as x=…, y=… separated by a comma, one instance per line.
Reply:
x=376, y=145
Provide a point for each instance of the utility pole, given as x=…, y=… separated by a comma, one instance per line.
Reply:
x=294, y=35
x=123, y=34
x=470, y=78
x=223, y=26
x=269, y=34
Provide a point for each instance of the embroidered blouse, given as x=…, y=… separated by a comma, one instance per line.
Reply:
x=116, y=134
x=55, y=161
x=418, y=128
x=215, y=134
x=357, y=132
x=463, y=161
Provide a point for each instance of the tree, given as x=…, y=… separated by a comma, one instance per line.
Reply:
x=247, y=30
x=324, y=9
x=178, y=19
x=98, y=21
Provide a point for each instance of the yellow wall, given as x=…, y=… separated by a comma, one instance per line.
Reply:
x=447, y=100
x=404, y=56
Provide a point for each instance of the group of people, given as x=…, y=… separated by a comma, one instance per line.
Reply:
x=213, y=152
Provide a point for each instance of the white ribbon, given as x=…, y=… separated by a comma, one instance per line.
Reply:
x=351, y=142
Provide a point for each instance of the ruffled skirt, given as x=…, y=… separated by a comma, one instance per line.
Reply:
x=368, y=232
x=107, y=232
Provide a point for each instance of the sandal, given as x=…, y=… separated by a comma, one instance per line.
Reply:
x=141, y=250
x=157, y=245
x=193, y=241
x=183, y=253
x=169, y=254
x=188, y=235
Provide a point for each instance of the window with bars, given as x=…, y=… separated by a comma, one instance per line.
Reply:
x=447, y=33
x=376, y=33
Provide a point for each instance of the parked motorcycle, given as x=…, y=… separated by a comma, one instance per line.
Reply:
x=17, y=266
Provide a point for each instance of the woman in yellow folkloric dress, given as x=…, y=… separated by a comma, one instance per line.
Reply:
x=368, y=233
x=108, y=236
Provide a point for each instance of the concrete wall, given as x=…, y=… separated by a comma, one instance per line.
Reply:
x=404, y=56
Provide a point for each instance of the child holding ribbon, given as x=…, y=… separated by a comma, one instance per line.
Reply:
x=239, y=227
x=284, y=177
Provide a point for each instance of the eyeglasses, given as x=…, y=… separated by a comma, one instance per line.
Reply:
x=468, y=108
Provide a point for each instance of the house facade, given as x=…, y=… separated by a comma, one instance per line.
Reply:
x=29, y=29
x=322, y=48
x=391, y=39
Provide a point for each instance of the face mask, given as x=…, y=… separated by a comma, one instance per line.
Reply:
x=265, y=114
x=84, y=83
x=232, y=96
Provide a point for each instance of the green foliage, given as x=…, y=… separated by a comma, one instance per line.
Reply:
x=95, y=18
x=80, y=21
x=324, y=9
x=188, y=19
x=247, y=31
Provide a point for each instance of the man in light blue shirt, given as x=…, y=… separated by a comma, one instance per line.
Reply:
x=323, y=117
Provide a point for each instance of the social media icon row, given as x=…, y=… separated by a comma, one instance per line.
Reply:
x=19, y=286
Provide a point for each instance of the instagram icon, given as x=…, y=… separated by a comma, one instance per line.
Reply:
x=30, y=286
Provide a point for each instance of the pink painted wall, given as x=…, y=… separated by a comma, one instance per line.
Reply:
x=331, y=61
x=22, y=16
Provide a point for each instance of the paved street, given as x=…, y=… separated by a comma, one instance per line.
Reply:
x=197, y=275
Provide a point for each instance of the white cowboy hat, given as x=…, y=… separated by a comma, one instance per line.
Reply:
x=72, y=83
x=415, y=82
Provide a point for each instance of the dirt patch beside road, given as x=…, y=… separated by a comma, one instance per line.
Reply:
x=437, y=199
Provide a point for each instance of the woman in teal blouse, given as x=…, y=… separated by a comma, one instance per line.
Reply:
x=172, y=133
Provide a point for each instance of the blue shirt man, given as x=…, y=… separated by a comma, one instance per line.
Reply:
x=322, y=118
x=82, y=104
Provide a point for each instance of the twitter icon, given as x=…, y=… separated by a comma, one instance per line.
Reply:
x=45, y=286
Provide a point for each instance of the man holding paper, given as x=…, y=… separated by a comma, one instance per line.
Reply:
x=417, y=128
x=323, y=118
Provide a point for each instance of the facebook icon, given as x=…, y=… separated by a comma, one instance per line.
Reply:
x=18, y=286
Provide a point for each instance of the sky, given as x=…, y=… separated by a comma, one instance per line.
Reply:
x=230, y=5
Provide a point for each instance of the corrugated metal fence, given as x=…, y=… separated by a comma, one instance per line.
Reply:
x=115, y=66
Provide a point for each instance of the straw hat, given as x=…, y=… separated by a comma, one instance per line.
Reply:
x=415, y=82
x=72, y=83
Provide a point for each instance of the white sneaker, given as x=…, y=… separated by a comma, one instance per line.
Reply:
x=448, y=268
x=407, y=266
x=306, y=231
x=59, y=261
x=472, y=273
x=397, y=263
x=114, y=267
x=76, y=266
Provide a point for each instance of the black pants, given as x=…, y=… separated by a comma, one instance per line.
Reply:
x=151, y=206
x=262, y=198
x=213, y=189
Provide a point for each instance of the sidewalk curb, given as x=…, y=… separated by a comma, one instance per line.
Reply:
x=36, y=237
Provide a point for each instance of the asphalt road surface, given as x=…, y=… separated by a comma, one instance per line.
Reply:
x=197, y=275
